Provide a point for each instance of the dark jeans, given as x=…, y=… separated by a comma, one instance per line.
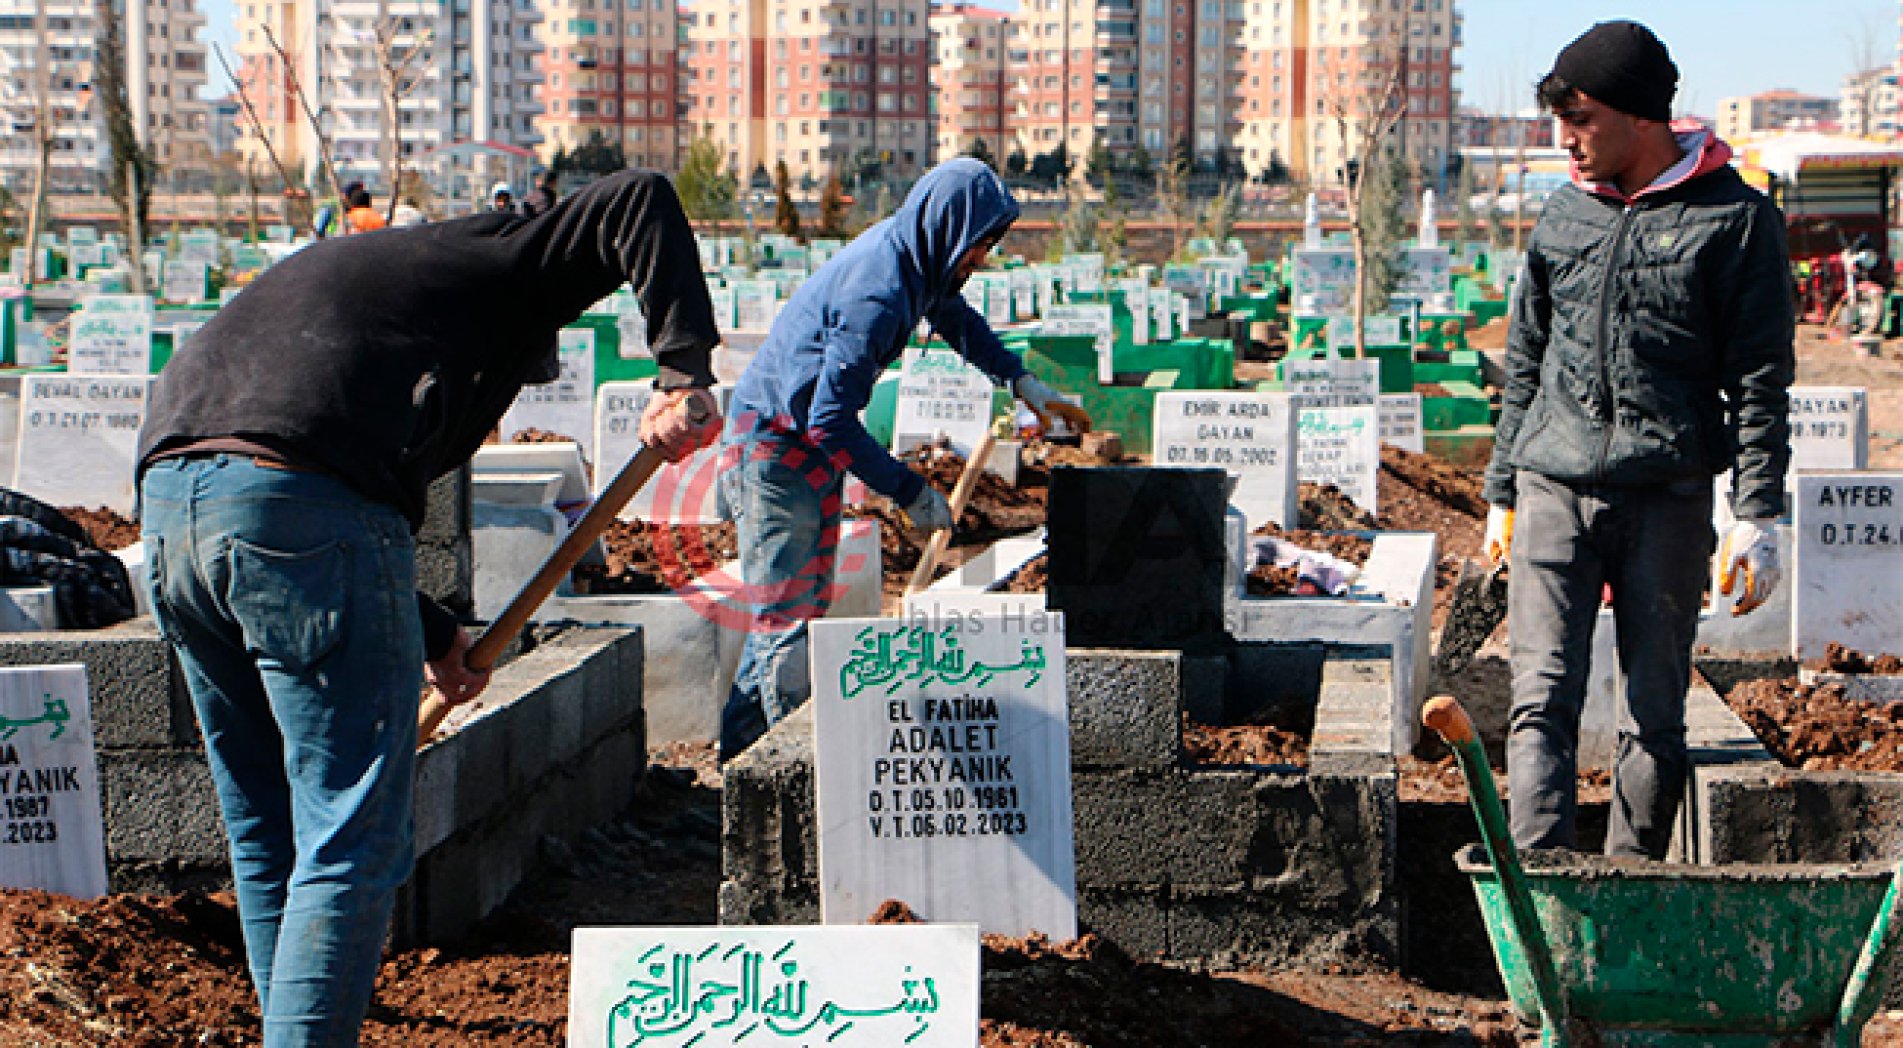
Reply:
x=290, y=600
x=784, y=501
x=1653, y=547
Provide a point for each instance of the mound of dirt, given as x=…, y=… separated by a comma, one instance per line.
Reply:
x=1839, y=659
x=1323, y=507
x=645, y=558
x=1253, y=744
x=105, y=527
x=1819, y=728
x=1031, y=577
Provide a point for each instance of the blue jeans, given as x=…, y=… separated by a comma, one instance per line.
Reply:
x=290, y=600
x=784, y=501
x=1653, y=546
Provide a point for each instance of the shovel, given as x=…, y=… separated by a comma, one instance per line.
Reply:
x=1480, y=602
x=488, y=647
x=961, y=494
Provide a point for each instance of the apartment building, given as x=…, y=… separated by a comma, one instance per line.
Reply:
x=969, y=80
x=824, y=85
x=1251, y=82
x=46, y=62
x=466, y=76
x=1742, y=116
x=610, y=68
x=1868, y=105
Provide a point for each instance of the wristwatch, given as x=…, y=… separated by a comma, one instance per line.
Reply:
x=697, y=410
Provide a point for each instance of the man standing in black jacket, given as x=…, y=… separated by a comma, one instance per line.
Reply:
x=284, y=466
x=1650, y=349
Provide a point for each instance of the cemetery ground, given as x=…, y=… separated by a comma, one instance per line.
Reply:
x=168, y=970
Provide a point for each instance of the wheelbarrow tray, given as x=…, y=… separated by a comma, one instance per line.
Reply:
x=1672, y=949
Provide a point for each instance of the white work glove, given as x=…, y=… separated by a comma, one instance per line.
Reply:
x=929, y=512
x=1045, y=402
x=1499, y=540
x=679, y=422
x=1747, y=562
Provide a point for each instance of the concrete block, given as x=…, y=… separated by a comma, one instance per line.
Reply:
x=1206, y=688
x=138, y=696
x=689, y=659
x=509, y=544
x=1126, y=708
x=32, y=609
x=1137, y=556
x=1138, y=829
x=446, y=516
x=1391, y=605
x=1781, y=815
x=1136, y=919
x=160, y=805
x=769, y=841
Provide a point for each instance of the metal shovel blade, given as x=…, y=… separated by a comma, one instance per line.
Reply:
x=1480, y=602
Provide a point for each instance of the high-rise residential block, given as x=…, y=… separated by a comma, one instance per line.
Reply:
x=610, y=69
x=970, y=78
x=825, y=85
x=47, y=51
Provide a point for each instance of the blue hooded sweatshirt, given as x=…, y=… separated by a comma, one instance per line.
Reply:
x=849, y=321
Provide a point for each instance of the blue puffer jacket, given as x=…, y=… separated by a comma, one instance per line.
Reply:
x=851, y=320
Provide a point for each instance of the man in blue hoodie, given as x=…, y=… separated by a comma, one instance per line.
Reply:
x=793, y=426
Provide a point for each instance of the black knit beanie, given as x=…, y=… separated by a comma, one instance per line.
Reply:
x=1624, y=66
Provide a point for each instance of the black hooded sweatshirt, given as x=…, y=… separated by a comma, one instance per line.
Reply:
x=384, y=359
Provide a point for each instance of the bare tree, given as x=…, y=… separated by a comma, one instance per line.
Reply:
x=1364, y=119
x=42, y=142
x=264, y=139
x=304, y=103
x=398, y=74
x=130, y=179
x=1172, y=195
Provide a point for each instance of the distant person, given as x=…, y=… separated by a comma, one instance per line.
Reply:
x=1650, y=349
x=362, y=218
x=542, y=197
x=793, y=429
x=283, y=467
x=501, y=197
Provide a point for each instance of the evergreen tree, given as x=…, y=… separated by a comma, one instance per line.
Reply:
x=832, y=208
x=1097, y=163
x=786, y=217
x=707, y=192
x=980, y=151
x=1016, y=164
x=1384, y=226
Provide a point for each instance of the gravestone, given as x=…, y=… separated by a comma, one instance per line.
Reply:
x=1849, y=539
x=184, y=281
x=679, y=492
x=943, y=770
x=111, y=335
x=871, y=986
x=940, y=393
x=1324, y=281
x=1340, y=446
x=1192, y=283
x=1251, y=435
x=52, y=836
x=1382, y=331
x=1328, y=382
x=1023, y=293
x=1400, y=415
x=1137, y=556
x=1426, y=272
x=79, y=438
x=565, y=406
x=754, y=302
x=1089, y=319
x=1830, y=427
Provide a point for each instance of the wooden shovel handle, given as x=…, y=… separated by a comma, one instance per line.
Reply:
x=1446, y=716
x=489, y=646
x=961, y=494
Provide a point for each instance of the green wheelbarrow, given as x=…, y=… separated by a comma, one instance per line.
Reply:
x=1604, y=952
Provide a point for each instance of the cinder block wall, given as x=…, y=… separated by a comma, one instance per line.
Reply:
x=1222, y=866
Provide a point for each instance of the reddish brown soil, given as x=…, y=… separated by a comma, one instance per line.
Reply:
x=1438, y=781
x=996, y=510
x=1818, y=728
x=532, y=435
x=1431, y=389
x=1325, y=508
x=1839, y=659
x=644, y=557
x=1031, y=577
x=106, y=528
x=1422, y=493
x=1244, y=744
x=167, y=972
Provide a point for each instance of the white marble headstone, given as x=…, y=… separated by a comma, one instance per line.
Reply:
x=111, y=335
x=940, y=393
x=565, y=406
x=52, y=836
x=1830, y=427
x=679, y=492
x=1252, y=435
x=1401, y=421
x=1087, y=319
x=870, y=986
x=1849, y=553
x=1341, y=446
x=1327, y=382
x=79, y=438
x=943, y=771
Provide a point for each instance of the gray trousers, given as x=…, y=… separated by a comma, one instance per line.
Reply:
x=1653, y=547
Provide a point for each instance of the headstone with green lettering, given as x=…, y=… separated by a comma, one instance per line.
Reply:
x=566, y=406
x=939, y=393
x=943, y=770
x=871, y=986
x=51, y=834
x=1340, y=446
x=111, y=335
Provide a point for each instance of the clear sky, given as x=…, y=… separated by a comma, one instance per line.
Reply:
x=1722, y=47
